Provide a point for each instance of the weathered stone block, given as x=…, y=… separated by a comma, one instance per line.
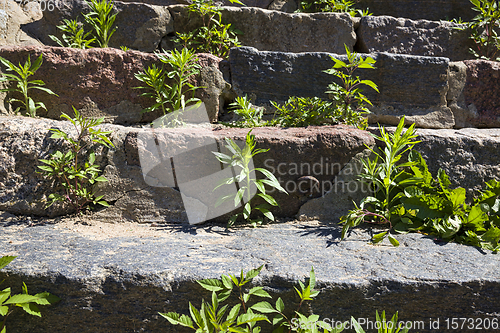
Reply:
x=420, y=9
x=481, y=93
x=420, y=37
x=267, y=76
x=100, y=82
x=12, y=16
x=119, y=284
x=139, y=26
x=278, y=31
x=319, y=152
x=469, y=157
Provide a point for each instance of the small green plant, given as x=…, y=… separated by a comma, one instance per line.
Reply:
x=382, y=325
x=124, y=48
x=407, y=198
x=305, y=111
x=22, y=85
x=348, y=96
x=27, y=302
x=213, y=36
x=76, y=36
x=387, y=177
x=210, y=317
x=75, y=170
x=101, y=19
x=167, y=97
x=484, y=29
x=251, y=116
x=456, y=20
x=245, y=177
x=331, y=6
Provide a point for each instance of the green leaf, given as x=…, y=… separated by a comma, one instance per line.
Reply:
x=4, y=310
x=4, y=294
x=457, y=197
x=377, y=238
x=250, y=318
x=476, y=218
x=31, y=309
x=233, y=314
x=266, y=212
x=227, y=282
x=393, y=240
x=246, y=211
x=5, y=260
x=239, y=196
x=268, y=198
x=263, y=307
x=176, y=319
x=195, y=314
x=280, y=305
x=46, y=298
x=47, y=90
x=444, y=180
x=258, y=291
x=356, y=326
x=21, y=298
x=211, y=284
x=223, y=295
x=369, y=83
x=253, y=273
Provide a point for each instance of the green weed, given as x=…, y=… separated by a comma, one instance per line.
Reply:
x=29, y=303
x=23, y=85
x=75, y=170
x=408, y=198
x=246, y=178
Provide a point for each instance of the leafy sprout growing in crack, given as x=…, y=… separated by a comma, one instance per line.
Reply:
x=241, y=160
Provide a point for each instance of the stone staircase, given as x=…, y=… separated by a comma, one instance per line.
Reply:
x=120, y=283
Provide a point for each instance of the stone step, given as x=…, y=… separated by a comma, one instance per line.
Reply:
x=434, y=10
x=139, y=193
x=117, y=280
x=146, y=27
x=431, y=91
x=137, y=189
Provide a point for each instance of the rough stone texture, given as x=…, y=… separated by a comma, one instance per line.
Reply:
x=267, y=76
x=278, y=31
x=23, y=191
x=346, y=189
x=100, y=82
x=481, y=93
x=248, y=3
x=469, y=156
x=287, y=6
x=316, y=151
x=139, y=26
x=405, y=36
x=434, y=10
x=120, y=284
x=457, y=76
x=12, y=16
